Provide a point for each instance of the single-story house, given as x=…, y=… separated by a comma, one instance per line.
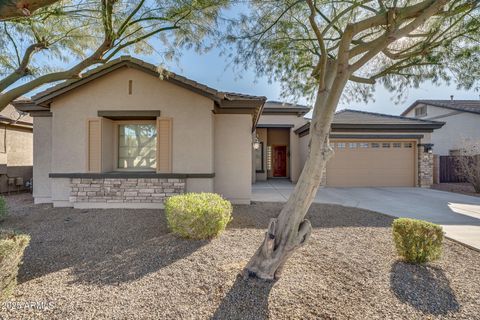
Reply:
x=461, y=117
x=128, y=135
x=16, y=150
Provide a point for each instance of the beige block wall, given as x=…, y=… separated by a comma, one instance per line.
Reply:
x=191, y=113
x=16, y=149
x=42, y=156
x=233, y=157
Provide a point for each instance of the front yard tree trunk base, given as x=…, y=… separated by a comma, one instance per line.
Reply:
x=268, y=261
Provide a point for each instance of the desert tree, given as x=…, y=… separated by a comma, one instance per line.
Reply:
x=62, y=40
x=327, y=50
x=468, y=162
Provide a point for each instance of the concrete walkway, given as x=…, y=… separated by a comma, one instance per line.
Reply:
x=458, y=214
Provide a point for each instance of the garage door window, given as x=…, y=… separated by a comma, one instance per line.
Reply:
x=397, y=145
x=408, y=145
x=363, y=145
x=341, y=145
x=386, y=145
x=352, y=145
x=375, y=145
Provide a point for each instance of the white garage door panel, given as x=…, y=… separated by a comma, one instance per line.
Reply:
x=372, y=167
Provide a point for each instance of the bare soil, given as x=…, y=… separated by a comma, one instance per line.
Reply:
x=124, y=264
x=459, y=187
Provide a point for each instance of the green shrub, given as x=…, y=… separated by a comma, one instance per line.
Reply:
x=417, y=241
x=198, y=215
x=3, y=208
x=12, y=246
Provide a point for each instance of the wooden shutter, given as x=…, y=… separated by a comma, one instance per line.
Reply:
x=164, y=145
x=94, y=145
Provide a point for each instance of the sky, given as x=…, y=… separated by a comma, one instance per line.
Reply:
x=213, y=70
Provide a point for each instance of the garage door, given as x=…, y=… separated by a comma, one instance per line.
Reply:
x=372, y=164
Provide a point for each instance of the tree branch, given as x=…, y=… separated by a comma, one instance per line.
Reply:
x=391, y=36
x=22, y=69
x=361, y=79
x=321, y=67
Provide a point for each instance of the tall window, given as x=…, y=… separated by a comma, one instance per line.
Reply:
x=137, y=146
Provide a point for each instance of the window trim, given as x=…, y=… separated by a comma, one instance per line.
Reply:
x=116, y=127
x=420, y=111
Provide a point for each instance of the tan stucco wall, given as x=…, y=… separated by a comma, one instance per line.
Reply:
x=233, y=157
x=199, y=185
x=42, y=156
x=294, y=120
x=191, y=113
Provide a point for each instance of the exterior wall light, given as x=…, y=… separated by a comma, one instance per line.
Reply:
x=256, y=143
x=427, y=147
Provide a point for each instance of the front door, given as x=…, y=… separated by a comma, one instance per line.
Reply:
x=280, y=161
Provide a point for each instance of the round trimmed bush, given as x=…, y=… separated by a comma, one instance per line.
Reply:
x=417, y=241
x=198, y=215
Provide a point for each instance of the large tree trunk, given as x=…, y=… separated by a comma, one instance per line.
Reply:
x=291, y=230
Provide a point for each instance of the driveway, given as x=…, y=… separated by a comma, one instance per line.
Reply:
x=458, y=214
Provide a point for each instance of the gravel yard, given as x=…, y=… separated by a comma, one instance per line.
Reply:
x=124, y=264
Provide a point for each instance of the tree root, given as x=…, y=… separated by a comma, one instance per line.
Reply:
x=268, y=261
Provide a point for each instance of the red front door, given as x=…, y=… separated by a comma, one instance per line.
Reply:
x=280, y=161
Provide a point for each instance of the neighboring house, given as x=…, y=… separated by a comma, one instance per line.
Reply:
x=461, y=117
x=125, y=136
x=16, y=150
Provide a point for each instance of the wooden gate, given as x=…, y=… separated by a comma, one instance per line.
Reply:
x=448, y=169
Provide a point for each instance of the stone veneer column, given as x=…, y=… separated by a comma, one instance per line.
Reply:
x=425, y=168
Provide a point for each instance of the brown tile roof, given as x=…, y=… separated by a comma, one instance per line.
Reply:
x=347, y=119
x=349, y=116
x=279, y=107
x=230, y=102
x=92, y=74
x=471, y=106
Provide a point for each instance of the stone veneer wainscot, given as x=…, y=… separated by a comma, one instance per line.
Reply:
x=124, y=190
